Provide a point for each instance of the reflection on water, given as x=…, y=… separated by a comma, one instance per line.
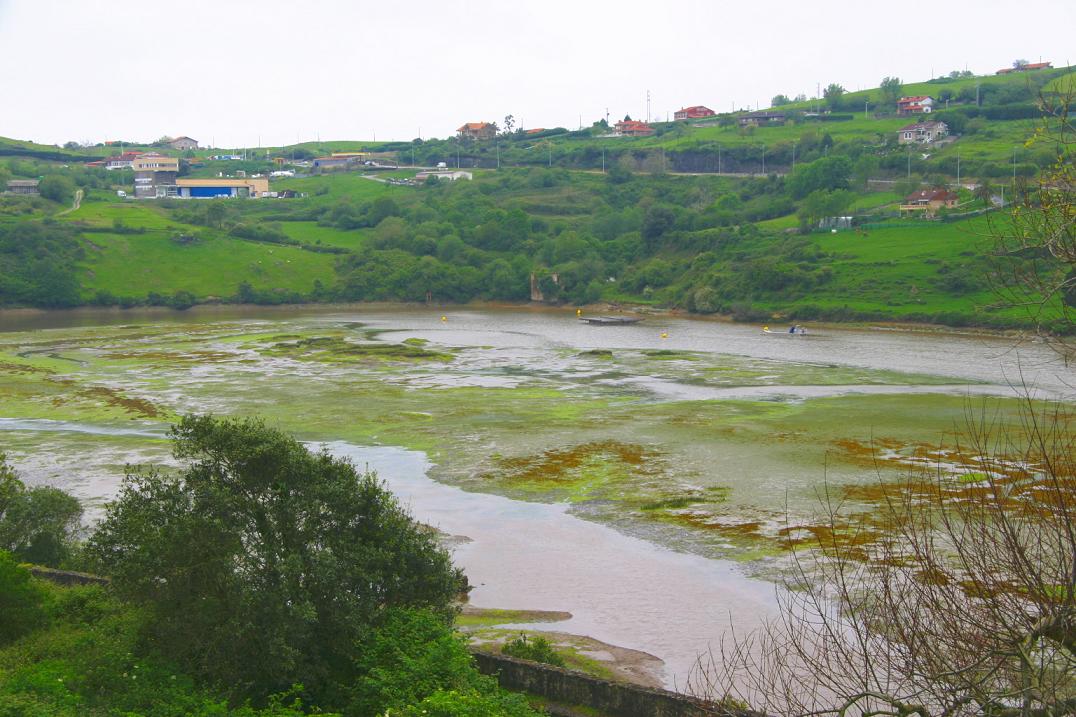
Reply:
x=619, y=589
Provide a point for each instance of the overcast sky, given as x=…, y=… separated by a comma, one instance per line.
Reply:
x=243, y=73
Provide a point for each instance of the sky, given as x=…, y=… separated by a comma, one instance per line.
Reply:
x=238, y=73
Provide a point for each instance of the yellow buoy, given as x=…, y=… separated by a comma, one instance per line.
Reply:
x=664, y=335
x=578, y=312
x=444, y=318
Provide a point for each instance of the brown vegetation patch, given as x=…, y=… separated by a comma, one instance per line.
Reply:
x=18, y=368
x=139, y=407
x=561, y=464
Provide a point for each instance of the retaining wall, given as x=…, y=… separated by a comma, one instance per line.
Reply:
x=616, y=699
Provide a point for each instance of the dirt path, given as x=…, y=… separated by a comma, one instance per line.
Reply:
x=75, y=205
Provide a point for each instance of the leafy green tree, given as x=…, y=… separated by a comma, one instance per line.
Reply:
x=657, y=220
x=832, y=95
x=824, y=203
x=263, y=564
x=56, y=187
x=411, y=655
x=21, y=600
x=825, y=173
x=891, y=88
x=779, y=100
x=36, y=524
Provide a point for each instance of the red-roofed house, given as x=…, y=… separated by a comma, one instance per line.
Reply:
x=918, y=105
x=123, y=161
x=633, y=128
x=1025, y=68
x=477, y=130
x=696, y=112
x=929, y=201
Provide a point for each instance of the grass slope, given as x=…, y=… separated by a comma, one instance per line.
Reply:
x=212, y=265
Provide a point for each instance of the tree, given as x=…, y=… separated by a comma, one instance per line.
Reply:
x=891, y=88
x=779, y=100
x=264, y=564
x=825, y=173
x=1019, y=64
x=1035, y=242
x=215, y=214
x=509, y=124
x=37, y=524
x=824, y=203
x=833, y=94
x=958, y=599
x=56, y=187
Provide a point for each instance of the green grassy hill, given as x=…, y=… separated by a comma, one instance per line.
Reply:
x=659, y=226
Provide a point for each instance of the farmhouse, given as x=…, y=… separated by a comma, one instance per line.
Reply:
x=922, y=132
x=122, y=161
x=22, y=186
x=252, y=188
x=1025, y=68
x=929, y=201
x=754, y=119
x=918, y=105
x=477, y=130
x=696, y=112
x=633, y=128
x=183, y=143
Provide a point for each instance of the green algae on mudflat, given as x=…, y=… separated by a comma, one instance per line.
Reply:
x=338, y=349
x=723, y=477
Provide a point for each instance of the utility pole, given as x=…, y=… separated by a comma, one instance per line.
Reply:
x=958, y=171
x=793, y=156
x=497, y=146
x=866, y=115
x=763, y=160
x=603, y=160
x=648, y=105
x=719, y=159
x=457, y=153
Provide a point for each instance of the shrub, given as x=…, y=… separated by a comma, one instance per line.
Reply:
x=21, y=600
x=244, y=587
x=535, y=649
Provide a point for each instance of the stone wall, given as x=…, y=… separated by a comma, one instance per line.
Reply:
x=616, y=699
x=66, y=577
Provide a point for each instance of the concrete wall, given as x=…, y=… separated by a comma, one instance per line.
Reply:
x=616, y=699
x=67, y=577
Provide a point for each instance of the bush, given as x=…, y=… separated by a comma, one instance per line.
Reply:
x=21, y=600
x=245, y=588
x=36, y=524
x=536, y=649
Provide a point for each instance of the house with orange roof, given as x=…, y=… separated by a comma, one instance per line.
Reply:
x=477, y=130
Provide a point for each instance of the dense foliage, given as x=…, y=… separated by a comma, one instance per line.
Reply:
x=37, y=264
x=36, y=524
x=264, y=564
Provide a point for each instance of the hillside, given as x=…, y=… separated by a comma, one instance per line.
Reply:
x=658, y=226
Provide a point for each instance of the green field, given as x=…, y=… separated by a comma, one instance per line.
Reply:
x=213, y=265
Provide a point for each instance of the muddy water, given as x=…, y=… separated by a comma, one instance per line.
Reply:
x=619, y=589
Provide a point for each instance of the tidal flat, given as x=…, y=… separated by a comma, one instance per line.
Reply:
x=712, y=440
x=648, y=479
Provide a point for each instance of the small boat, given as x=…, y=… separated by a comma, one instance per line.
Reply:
x=796, y=330
x=610, y=320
